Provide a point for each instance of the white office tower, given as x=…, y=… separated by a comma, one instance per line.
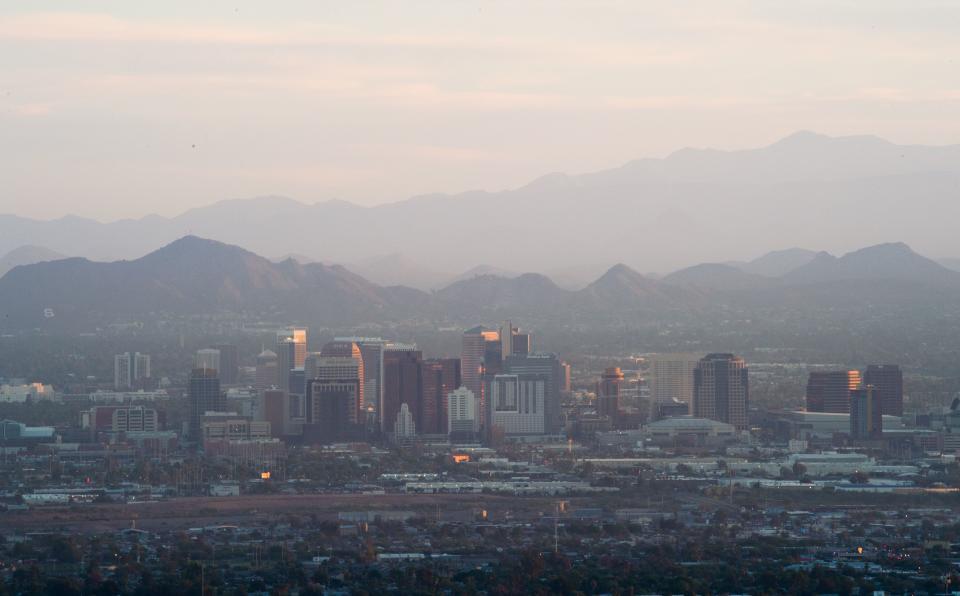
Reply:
x=517, y=404
x=404, y=427
x=462, y=412
x=130, y=367
x=208, y=358
x=671, y=377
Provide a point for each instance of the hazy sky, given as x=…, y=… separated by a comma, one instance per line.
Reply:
x=119, y=109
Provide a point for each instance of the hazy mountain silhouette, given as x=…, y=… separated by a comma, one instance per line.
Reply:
x=195, y=277
x=491, y=293
x=397, y=269
x=891, y=261
x=778, y=262
x=950, y=263
x=805, y=190
x=717, y=276
x=481, y=271
x=623, y=288
x=27, y=255
x=191, y=276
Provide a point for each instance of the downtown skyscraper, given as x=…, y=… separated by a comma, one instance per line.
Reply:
x=721, y=389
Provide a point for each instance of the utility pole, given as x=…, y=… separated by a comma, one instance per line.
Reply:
x=556, y=530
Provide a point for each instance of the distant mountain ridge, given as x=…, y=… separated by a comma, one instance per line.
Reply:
x=27, y=255
x=803, y=190
x=893, y=260
x=198, y=277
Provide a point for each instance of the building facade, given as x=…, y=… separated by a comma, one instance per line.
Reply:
x=721, y=390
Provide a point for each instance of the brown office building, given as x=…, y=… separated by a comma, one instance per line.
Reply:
x=721, y=389
x=402, y=384
x=829, y=391
x=439, y=377
x=479, y=344
x=608, y=392
x=887, y=381
x=344, y=349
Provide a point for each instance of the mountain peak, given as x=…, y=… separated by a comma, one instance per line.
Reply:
x=620, y=270
x=802, y=137
x=888, y=261
x=190, y=243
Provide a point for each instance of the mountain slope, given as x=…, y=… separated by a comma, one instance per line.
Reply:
x=778, y=263
x=27, y=255
x=526, y=293
x=397, y=269
x=717, y=276
x=623, y=288
x=802, y=190
x=890, y=261
x=191, y=276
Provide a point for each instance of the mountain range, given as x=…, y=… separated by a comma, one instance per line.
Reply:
x=652, y=214
x=27, y=255
x=200, y=277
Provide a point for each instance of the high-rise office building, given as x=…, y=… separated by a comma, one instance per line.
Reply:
x=348, y=349
x=286, y=361
x=345, y=370
x=205, y=396
x=507, y=331
x=371, y=350
x=671, y=377
x=229, y=363
x=298, y=335
x=275, y=409
x=566, y=372
x=208, y=358
x=291, y=353
x=547, y=365
x=297, y=392
x=438, y=378
x=517, y=404
x=829, y=391
x=472, y=354
x=866, y=413
x=608, y=392
x=887, y=381
x=721, y=389
x=266, y=371
x=402, y=383
x=130, y=370
x=462, y=423
x=512, y=341
x=331, y=405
